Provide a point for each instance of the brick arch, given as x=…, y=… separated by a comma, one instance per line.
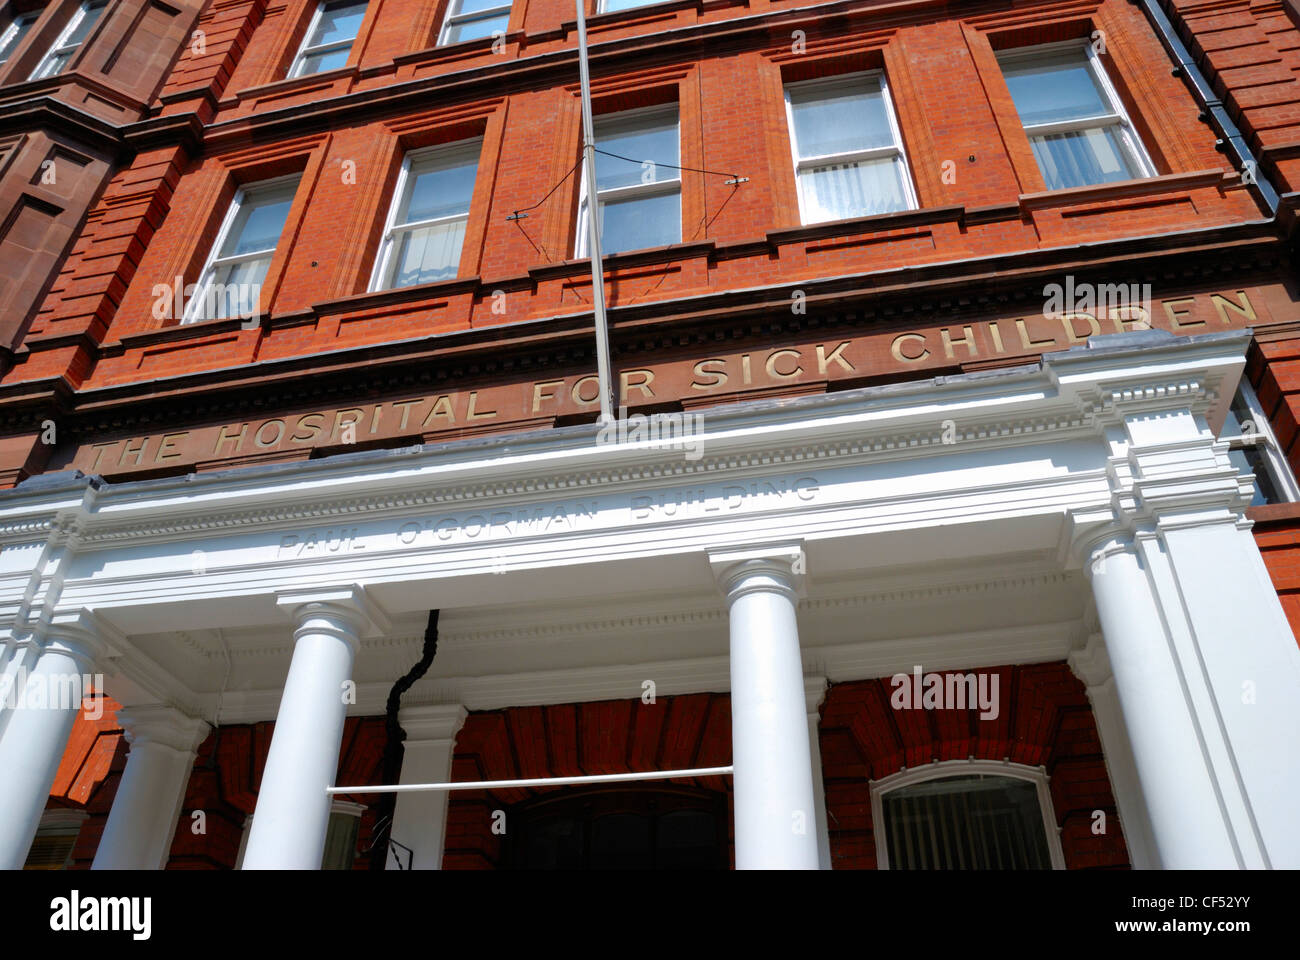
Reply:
x=1045, y=721
x=578, y=739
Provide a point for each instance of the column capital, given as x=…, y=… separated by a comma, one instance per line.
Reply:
x=432, y=722
x=351, y=603
x=814, y=691
x=1091, y=663
x=780, y=567
x=164, y=725
x=81, y=635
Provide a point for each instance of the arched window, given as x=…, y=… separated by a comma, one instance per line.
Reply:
x=965, y=815
x=671, y=828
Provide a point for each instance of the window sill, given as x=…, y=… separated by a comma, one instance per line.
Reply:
x=377, y=299
x=876, y=222
x=1269, y=514
x=290, y=85
x=455, y=51
x=629, y=258
x=1125, y=188
x=184, y=331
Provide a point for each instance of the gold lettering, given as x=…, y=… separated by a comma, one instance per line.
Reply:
x=357, y=415
x=99, y=449
x=279, y=434
x=472, y=414
x=1124, y=319
x=1028, y=341
x=406, y=406
x=824, y=359
x=128, y=452
x=897, y=348
x=167, y=442
x=1176, y=317
x=643, y=384
x=773, y=372
x=996, y=333
x=237, y=438
x=1243, y=309
x=576, y=393
x=313, y=427
x=745, y=373
x=543, y=390
x=1072, y=334
x=374, y=418
x=719, y=376
x=441, y=408
x=968, y=341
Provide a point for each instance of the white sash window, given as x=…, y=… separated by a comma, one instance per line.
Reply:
x=848, y=152
x=426, y=224
x=72, y=37
x=13, y=34
x=329, y=37
x=474, y=20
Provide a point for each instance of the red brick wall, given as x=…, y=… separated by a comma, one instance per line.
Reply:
x=1046, y=721
x=951, y=102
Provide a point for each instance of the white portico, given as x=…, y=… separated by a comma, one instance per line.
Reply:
x=1082, y=509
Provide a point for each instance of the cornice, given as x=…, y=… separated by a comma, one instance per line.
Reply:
x=45, y=111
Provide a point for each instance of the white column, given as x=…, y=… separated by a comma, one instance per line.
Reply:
x=775, y=809
x=292, y=812
x=814, y=694
x=46, y=703
x=1091, y=665
x=142, y=821
x=420, y=819
x=1205, y=663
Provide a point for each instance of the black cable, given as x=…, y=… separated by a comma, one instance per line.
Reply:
x=673, y=165
x=515, y=215
x=393, y=747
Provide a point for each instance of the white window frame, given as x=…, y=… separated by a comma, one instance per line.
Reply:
x=896, y=149
x=306, y=50
x=196, y=302
x=61, y=45
x=955, y=768
x=602, y=6
x=1264, y=440
x=455, y=19
x=10, y=35
x=379, y=279
x=673, y=186
x=1130, y=142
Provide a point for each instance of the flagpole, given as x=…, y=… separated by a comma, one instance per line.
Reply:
x=593, y=227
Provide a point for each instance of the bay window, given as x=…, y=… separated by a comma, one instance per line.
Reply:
x=70, y=39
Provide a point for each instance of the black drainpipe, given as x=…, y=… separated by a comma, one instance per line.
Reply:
x=1230, y=138
x=394, y=750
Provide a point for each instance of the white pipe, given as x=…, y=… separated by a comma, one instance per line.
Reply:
x=538, y=782
x=603, y=373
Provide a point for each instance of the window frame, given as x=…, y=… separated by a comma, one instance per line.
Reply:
x=940, y=770
x=384, y=255
x=658, y=188
x=1130, y=141
x=1264, y=440
x=305, y=49
x=898, y=149
x=214, y=260
x=453, y=19
x=14, y=34
x=60, y=44
x=337, y=808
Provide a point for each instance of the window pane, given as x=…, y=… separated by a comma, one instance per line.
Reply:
x=428, y=254
x=258, y=225
x=620, y=842
x=340, y=842
x=320, y=62
x=476, y=6
x=1051, y=89
x=1083, y=157
x=840, y=119
x=13, y=34
x=338, y=21
x=612, y=5
x=437, y=188
x=971, y=822
x=84, y=26
x=233, y=291
x=648, y=143
x=477, y=29
x=640, y=222
x=53, y=64
x=840, y=191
